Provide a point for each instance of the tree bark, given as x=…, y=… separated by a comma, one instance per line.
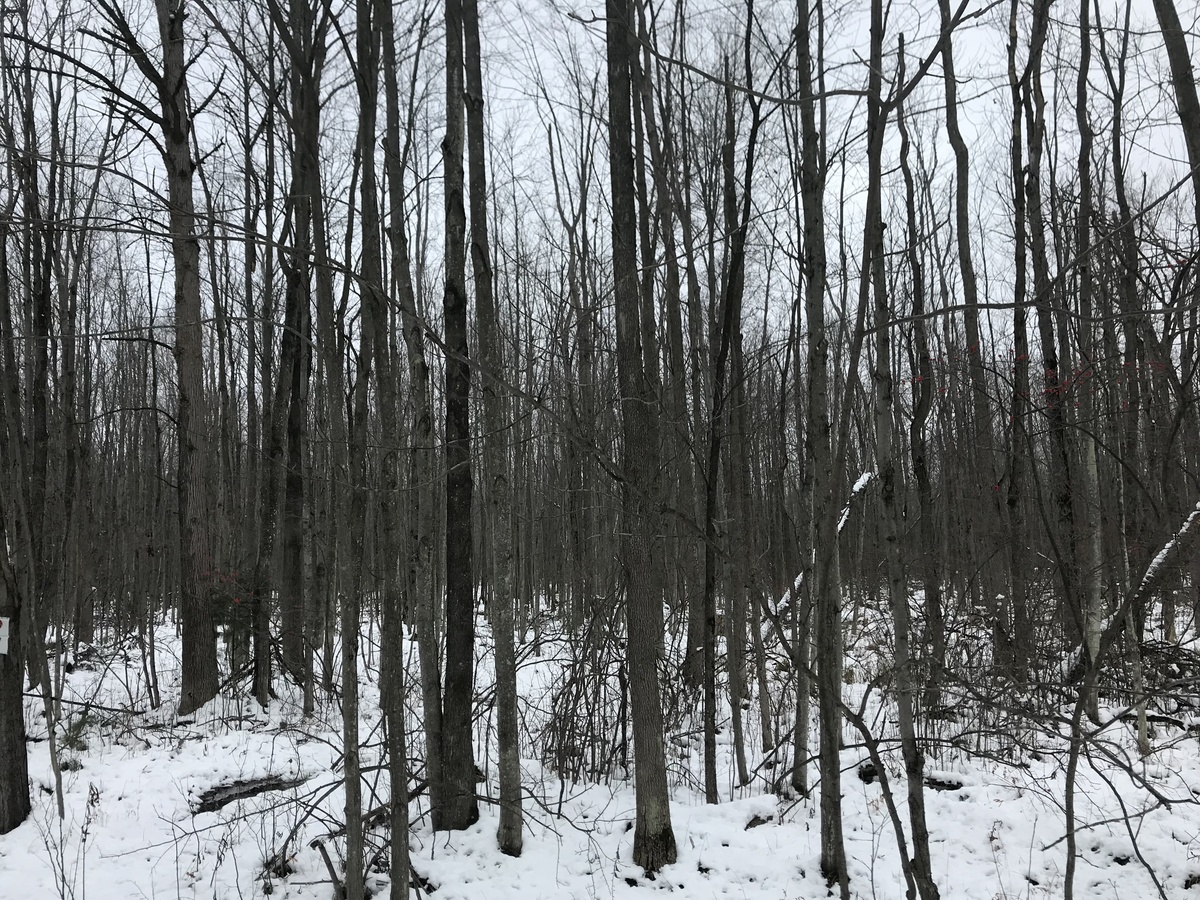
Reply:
x=1088, y=551
x=459, y=808
x=982, y=439
x=1059, y=471
x=422, y=524
x=199, y=631
x=1019, y=444
x=14, y=756
x=890, y=522
x=818, y=447
x=1183, y=80
x=496, y=420
x=654, y=839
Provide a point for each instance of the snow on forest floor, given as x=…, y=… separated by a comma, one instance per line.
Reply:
x=134, y=777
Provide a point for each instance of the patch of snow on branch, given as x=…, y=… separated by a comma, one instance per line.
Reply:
x=1161, y=559
x=859, y=486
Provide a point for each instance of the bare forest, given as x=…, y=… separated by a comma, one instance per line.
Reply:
x=552, y=421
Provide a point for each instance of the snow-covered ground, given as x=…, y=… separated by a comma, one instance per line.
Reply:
x=134, y=780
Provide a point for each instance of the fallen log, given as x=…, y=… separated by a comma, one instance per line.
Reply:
x=222, y=795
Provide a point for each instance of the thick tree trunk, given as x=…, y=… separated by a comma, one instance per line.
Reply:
x=14, y=759
x=199, y=631
x=459, y=807
x=292, y=587
x=654, y=839
x=1183, y=79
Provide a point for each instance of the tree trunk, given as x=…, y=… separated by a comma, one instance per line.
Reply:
x=420, y=543
x=1088, y=551
x=199, y=631
x=982, y=439
x=1183, y=80
x=823, y=532
x=1059, y=472
x=1019, y=445
x=496, y=420
x=459, y=808
x=14, y=758
x=292, y=587
x=890, y=523
x=654, y=839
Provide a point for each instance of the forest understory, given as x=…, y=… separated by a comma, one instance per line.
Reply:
x=236, y=801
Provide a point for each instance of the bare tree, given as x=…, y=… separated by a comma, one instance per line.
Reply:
x=496, y=418
x=175, y=120
x=818, y=451
x=654, y=839
x=459, y=808
x=886, y=426
x=1183, y=80
x=415, y=564
x=420, y=581
x=16, y=613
